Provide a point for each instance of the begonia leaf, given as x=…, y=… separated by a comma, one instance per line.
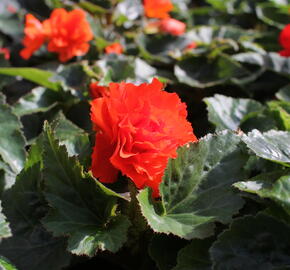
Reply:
x=201, y=72
x=274, y=185
x=74, y=138
x=31, y=245
x=253, y=243
x=227, y=112
x=196, y=189
x=82, y=208
x=165, y=258
x=195, y=256
x=39, y=99
x=6, y=265
x=272, y=145
x=35, y=75
x=12, y=142
x=270, y=61
x=4, y=226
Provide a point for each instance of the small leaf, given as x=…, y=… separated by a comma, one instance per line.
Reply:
x=6, y=265
x=12, y=142
x=196, y=189
x=272, y=145
x=35, y=75
x=195, y=256
x=252, y=243
x=82, y=208
x=227, y=112
x=275, y=186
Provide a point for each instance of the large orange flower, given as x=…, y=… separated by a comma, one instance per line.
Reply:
x=284, y=39
x=139, y=129
x=69, y=33
x=34, y=36
x=157, y=8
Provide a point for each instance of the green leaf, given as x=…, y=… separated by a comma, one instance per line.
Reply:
x=39, y=99
x=195, y=256
x=165, y=258
x=74, y=138
x=281, y=112
x=82, y=208
x=35, y=75
x=284, y=93
x=272, y=145
x=272, y=15
x=196, y=189
x=12, y=142
x=6, y=265
x=274, y=185
x=31, y=246
x=227, y=112
x=4, y=226
x=201, y=72
x=119, y=67
x=253, y=243
x=269, y=61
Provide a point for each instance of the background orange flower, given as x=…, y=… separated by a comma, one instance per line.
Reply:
x=69, y=33
x=34, y=36
x=114, y=48
x=157, y=8
x=140, y=128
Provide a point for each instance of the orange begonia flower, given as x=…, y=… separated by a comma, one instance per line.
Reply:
x=69, y=33
x=138, y=129
x=114, y=48
x=284, y=40
x=34, y=36
x=172, y=26
x=157, y=8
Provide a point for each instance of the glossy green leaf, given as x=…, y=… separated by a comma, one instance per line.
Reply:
x=274, y=185
x=227, y=112
x=4, y=226
x=31, y=245
x=74, y=138
x=201, y=72
x=281, y=112
x=196, y=189
x=10, y=24
x=12, y=142
x=272, y=145
x=253, y=243
x=6, y=265
x=35, y=75
x=82, y=208
x=195, y=256
x=269, y=61
x=39, y=99
x=272, y=15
